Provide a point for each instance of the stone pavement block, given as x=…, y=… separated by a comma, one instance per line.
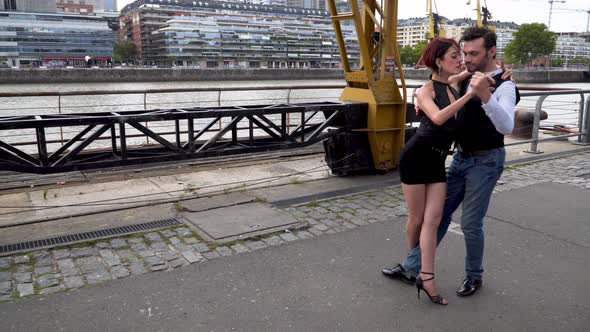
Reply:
x=145, y=253
x=5, y=288
x=153, y=237
x=73, y=282
x=159, y=247
x=289, y=237
x=5, y=262
x=304, y=235
x=61, y=254
x=192, y=256
x=22, y=259
x=255, y=245
x=201, y=247
x=155, y=263
x=24, y=268
x=98, y=277
x=67, y=267
x=48, y=280
x=358, y=222
x=211, y=254
x=137, y=268
x=89, y=265
x=5, y=276
x=315, y=231
x=139, y=246
x=182, y=247
x=109, y=257
x=22, y=278
x=118, y=243
x=25, y=290
x=273, y=240
x=184, y=232
x=224, y=251
x=177, y=263
x=174, y=240
x=51, y=290
x=102, y=245
x=135, y=240
x=320, y=227
x=82, y=252
x=119, y=272
x=40, y=254
x=126, y=256
x=240, y=248
x=169, y=255
x=44, y=261
x=168, y=233
x=191, y=240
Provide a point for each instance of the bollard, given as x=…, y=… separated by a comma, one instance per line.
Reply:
x=534, y=144
x=585, y=138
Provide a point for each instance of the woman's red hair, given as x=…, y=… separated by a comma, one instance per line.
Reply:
x=436, y=49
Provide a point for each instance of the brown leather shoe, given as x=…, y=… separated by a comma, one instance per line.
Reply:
x=398, y=272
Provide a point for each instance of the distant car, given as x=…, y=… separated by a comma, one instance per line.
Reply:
x=4, y=65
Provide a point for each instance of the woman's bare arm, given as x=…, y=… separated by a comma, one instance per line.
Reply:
x=426, y=99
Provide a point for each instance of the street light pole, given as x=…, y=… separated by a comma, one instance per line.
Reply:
x=551, y=11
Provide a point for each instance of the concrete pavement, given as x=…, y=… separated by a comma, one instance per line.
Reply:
x=326, y=276
x=536, y=280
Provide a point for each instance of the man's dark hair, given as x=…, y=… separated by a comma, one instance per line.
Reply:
x=472, y=33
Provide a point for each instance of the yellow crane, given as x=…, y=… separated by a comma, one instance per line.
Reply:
x=434, y=22
x=374, y=81
x=483, y=15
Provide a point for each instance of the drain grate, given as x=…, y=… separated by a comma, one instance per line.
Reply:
x=87, y=236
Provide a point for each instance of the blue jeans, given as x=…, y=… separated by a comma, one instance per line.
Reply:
x=470, y=180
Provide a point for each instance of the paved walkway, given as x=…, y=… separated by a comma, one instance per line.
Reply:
x=538, y=249
x=49, y=271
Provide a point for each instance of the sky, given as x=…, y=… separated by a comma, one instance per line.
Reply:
x=518, y=11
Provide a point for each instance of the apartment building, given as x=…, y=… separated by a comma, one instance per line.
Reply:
x=229, y=34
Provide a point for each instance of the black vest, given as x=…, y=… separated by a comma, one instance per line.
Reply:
x=475, y=131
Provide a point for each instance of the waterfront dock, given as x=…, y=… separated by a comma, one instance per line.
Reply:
x=306, y=256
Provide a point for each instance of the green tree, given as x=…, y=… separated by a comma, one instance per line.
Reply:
x=530, y=42
x=124, y=51
x=409, y=55
x=558, y=62
x=580, y=60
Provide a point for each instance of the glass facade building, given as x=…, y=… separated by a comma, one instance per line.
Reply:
x=225, y=34
x=35, y=39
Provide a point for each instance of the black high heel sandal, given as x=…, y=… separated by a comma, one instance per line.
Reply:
x=420, y=286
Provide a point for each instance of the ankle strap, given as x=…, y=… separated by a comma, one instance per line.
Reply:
x=429, y=273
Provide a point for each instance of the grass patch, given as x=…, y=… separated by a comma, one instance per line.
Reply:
x=313, y=203
x=214, y=245
x=11, y=268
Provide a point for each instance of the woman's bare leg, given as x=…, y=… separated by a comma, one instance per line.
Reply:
x=435, y=200
x=415, y=195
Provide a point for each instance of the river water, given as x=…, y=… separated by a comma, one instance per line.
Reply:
x=562, y=110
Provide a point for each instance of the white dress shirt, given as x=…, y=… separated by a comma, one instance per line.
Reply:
x=501, y=106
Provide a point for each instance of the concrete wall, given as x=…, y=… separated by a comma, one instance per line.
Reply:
x=12, y=76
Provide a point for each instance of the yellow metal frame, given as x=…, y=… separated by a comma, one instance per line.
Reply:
x=374, y=82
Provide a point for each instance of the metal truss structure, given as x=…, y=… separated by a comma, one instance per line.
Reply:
x=205, y=132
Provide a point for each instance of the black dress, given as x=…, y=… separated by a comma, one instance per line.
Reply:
x=423, y=157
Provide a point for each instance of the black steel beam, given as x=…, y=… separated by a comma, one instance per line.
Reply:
x=75, y=154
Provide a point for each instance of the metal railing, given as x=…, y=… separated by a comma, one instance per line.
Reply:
x=534, y=101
